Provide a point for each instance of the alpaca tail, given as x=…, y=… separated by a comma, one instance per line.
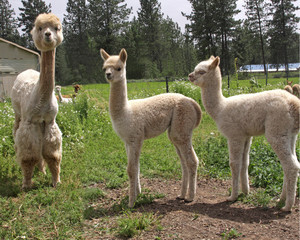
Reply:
x=198, y=112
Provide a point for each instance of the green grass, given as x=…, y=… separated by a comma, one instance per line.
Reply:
x=93, y=153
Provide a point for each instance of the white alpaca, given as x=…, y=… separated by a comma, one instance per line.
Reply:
x=60, y=97
x=137, y=120
x=296, y=90
x=37, y=136
x=273, y=113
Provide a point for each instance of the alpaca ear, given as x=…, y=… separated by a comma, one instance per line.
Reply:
x=212, y=58
x=123, y=55
x=104, y=54
x=215, y=63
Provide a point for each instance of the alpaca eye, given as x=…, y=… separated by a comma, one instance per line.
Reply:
x=40, y=28
x=56, y=29
x=119, y=69
x=201, y=72
x=104, y=69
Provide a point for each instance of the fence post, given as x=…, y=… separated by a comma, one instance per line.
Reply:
x=167, y=84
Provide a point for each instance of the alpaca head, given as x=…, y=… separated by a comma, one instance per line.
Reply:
x=47, y=32
x=202, y=75
x=57, y=88
x=114, y=66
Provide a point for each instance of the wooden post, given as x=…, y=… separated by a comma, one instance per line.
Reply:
x=167, y=84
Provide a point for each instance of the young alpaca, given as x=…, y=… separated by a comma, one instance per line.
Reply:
x=273, y=113
x=60, y=97
x=288, y=87
x=37, y=136
x=296, y=90
x=137, y=120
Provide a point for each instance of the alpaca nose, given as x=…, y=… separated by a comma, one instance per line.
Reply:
x=108, y=75
x=48, y=34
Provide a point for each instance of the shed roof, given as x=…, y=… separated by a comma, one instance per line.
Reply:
x=18, y=46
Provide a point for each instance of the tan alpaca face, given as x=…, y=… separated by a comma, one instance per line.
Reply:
x=114, y=66
x=198, y=76
x=47, y=32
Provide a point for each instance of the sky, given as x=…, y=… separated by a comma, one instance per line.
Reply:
x=171, y=8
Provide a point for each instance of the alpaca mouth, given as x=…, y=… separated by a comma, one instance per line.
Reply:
x=48, y=40
x=192, y=79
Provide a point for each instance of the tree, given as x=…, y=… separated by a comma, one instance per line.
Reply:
x=108, y=20
x=77, y=45
x=257, y=19
x=8, y=26
x=150, y=18
x=282, y=30
x=212, y=27
x=28, y=13
x=203, y=27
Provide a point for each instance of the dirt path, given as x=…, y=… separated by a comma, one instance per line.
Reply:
x=209, y=216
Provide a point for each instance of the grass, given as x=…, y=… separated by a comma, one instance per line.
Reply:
x=94, y=154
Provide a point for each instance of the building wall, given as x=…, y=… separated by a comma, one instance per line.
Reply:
x=19, y=59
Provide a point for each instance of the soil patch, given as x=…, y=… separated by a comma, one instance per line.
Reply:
x=209, y=216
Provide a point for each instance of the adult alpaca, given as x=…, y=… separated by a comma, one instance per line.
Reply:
x=273, y=113
x=37, y=136
x=62, y=99
x=137, y=120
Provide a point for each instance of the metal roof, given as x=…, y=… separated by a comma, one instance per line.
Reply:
x=18, y=46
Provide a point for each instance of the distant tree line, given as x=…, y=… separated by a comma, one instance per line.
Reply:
x=156, y=45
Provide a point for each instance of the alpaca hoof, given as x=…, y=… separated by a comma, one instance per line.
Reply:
x=180, y=197
x=231, y=199
x=286, y=209
x=56, y=183
x=188, y=200
x=26, y=186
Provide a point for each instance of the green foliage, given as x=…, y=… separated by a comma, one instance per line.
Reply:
x=132, y=225
x=231, y=234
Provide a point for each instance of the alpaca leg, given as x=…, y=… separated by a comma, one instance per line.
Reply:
x=27, y=166
x=236, y=150
x=28, y=150
x=244, y=168
x=133, y=151
x=190, y=162
x=282, y=147
x=52, y=151
x=16, y=124
x=41, y=166
x=184, y=170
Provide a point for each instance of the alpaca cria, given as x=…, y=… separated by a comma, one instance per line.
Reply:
x=62, y=99
x=296, y=90
x=288, y=87
x=137, y=120
x=273, y=113
x=37, y=136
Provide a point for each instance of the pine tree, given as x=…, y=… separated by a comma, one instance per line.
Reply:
x=257, y=18
x=108, y=19
x=282, y=30
x=76, y=42
x=150, y=18
x=8, y=26
x=28, y=13
x=212, y=27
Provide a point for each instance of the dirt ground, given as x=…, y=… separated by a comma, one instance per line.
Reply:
x=209, y=216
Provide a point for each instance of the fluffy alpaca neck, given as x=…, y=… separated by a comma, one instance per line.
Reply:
x=118, y=100
x=212, y=96
x=60, y=96
x=47, y=75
